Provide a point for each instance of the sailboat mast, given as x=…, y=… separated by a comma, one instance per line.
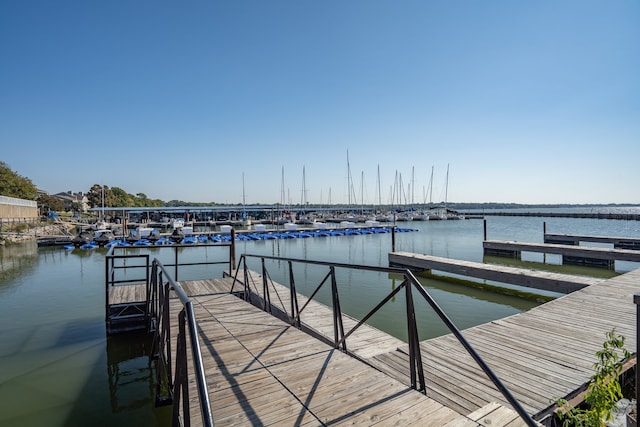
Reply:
x=413, y=184
x=446, y=187
x=303, y=199
x=102, y=213
x=244, y=212
x=362, y=193
x=431, y=188
x=282, y=199
x=349, y=181
x=379, y=190
x=243, y=196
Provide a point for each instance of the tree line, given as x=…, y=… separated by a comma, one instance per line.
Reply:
x=13, y=184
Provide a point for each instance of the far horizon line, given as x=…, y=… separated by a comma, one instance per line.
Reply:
x=460, y=205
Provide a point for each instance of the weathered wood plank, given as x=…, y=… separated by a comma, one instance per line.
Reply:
x=262, y=371
x=540, y=355
x=545, y=280
x=575, y=239
x=565, y=250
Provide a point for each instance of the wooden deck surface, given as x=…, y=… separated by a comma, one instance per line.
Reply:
x=540, y=355
x=125, y=294
x=261, y=371
x=365, y=342
x=564, y=250
x=538, y=279
x=575, y=239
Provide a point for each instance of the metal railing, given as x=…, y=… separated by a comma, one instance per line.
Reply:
x=172, y=382
x=636, y=301
x=124, y=262
x=132, y=252
x=173, y=365
x=408, y=285
x=14, y=201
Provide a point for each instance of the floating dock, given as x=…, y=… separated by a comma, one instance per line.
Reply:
x=577, y=255
x=544, y=280
x=575, y=239
x=542, y=355
x=261, y=370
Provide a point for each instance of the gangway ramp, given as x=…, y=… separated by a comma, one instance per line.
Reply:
x=262, y=371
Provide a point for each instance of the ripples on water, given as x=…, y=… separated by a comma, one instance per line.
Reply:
x=58, y=368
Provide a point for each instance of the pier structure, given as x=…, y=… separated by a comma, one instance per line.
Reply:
x=543, y=214
x=577, y=255
x=259, y=340
x=575, y=239
x=538, y=279
x=568, y=247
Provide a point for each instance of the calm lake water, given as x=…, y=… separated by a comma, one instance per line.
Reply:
x=60, y=369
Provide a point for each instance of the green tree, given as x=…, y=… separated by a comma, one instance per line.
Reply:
x=99, y=196
x=14, y=185
x=155, y=202
x=76, y=206
x=121, y=198
x=49, y=203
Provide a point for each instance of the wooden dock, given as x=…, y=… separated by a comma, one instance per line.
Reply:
x=575, y=239
x=125, y=307
x=262, y=371
x=541, y=355
x=317, y=319
x=548, y=281
x=570, y=254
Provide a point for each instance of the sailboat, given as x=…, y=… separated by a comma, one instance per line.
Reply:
x=246, y=219
x=443, y=213
x=101, y=223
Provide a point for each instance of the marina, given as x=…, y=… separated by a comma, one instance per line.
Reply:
x=454, y=370
x=77, y=331
x=295, y=367
x=319, y=214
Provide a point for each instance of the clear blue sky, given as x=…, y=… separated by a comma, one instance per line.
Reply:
x=527, y=101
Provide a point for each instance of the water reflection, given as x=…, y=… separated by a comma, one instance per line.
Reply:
x=59, y=369
x=15, y=259
x=551, y=263
x=131, y=373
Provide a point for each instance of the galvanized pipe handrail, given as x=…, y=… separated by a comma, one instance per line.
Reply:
x=414, y=349
x=159, y=283
x=111, y=254
x=636, y=301
x=483, y=365
x=171, y=285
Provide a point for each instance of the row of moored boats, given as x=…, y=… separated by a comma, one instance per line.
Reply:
x=92, y=239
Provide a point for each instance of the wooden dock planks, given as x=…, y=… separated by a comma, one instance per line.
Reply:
x=365, y=342
x=586, y=252
x=575, y=239
x=540, y=355
x=261, y=371
x=126, y=294
x=545, y=280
